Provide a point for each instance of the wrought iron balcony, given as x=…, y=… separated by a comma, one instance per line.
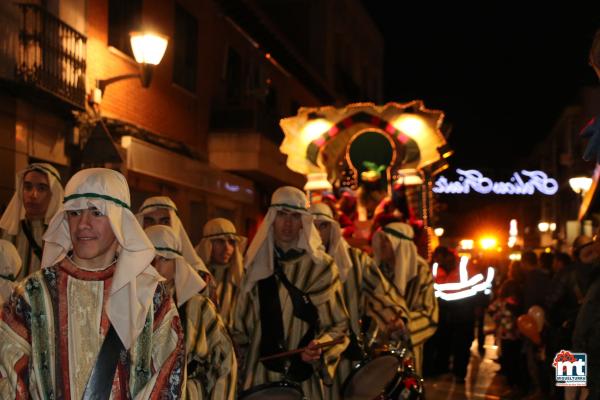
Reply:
x=51, y=55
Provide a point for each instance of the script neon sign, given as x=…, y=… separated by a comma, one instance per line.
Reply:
x=521, y=183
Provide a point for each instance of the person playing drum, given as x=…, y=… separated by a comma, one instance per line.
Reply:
x=396, y=254
x=290, y=299
x=366, y=291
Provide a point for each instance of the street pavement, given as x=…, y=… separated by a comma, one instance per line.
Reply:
x=482, y=382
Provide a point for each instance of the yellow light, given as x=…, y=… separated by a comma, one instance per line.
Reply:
x=488, y=242
x=513, y=231
x=315, y=128
x=580, y=184
x=148, y=48
x=126, y=141
x=466, y=244
x=547, y=250
x=515, y=257
x=543, y=226
x=317, y=181
x=438, y=232
x=410, y=124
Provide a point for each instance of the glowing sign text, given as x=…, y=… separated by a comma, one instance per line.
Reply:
x=471, y=179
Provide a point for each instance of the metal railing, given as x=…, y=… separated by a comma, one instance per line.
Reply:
x=52, y=55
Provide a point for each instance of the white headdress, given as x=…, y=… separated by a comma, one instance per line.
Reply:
x=15, y=212
x=259, y=258
x=134, y=281
x=221, y=228
x=401, y=236
x=167, y=245
x=10, y=266
x=163, y=202
x=338, y=248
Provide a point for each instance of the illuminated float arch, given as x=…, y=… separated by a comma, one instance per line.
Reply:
x=317, y=140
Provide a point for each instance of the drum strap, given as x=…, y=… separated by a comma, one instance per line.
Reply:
x=272, y=339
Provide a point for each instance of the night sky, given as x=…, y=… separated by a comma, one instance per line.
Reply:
x=502, y=73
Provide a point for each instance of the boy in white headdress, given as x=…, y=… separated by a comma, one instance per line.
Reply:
x=366, y=291
x=161, y=210
x=396, y=254
x=94, y=322
x=290, y=299
x=211, y=365
x=10, y=265
x=37, y=197
x=222, y=249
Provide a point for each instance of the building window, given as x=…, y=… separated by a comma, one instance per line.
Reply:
x=186, y=49
x=123, y=17
x=233, y=76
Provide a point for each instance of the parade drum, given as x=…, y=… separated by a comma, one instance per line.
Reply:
x=283, y=390
x=376, y=377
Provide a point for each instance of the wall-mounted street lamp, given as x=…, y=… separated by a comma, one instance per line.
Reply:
x=580, y=184
x=148, y=50
x=439, y=232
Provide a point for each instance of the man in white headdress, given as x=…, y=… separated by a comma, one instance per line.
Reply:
x=10, y=265
x=210, y=359
x=94, y=322
x=367, y=293
x=396, y=254
x=222, y=249
x=161, y=210
x=37, y=197
x=290, y=299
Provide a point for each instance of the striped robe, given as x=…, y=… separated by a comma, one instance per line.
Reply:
x=211, y=364
x=366, y=292
x=226, y=291
x=423, y=306
x=321, y=283
x=52, y=328
x=31, y=262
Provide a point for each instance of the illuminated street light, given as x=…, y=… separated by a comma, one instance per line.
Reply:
x=466, y=244
x=488, y=242
x=439, y=232
x=148, y=50
x=543, y=227
x=552, y=226
x=580, y=184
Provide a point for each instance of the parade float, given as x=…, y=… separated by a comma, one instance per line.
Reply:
x=373, y=164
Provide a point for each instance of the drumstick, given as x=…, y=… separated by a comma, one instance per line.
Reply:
x=300, y=350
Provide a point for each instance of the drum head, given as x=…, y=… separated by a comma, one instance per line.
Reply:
x=273, y=391
x=380, y=375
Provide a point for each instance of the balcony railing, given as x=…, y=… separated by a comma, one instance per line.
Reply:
x=52, y=55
